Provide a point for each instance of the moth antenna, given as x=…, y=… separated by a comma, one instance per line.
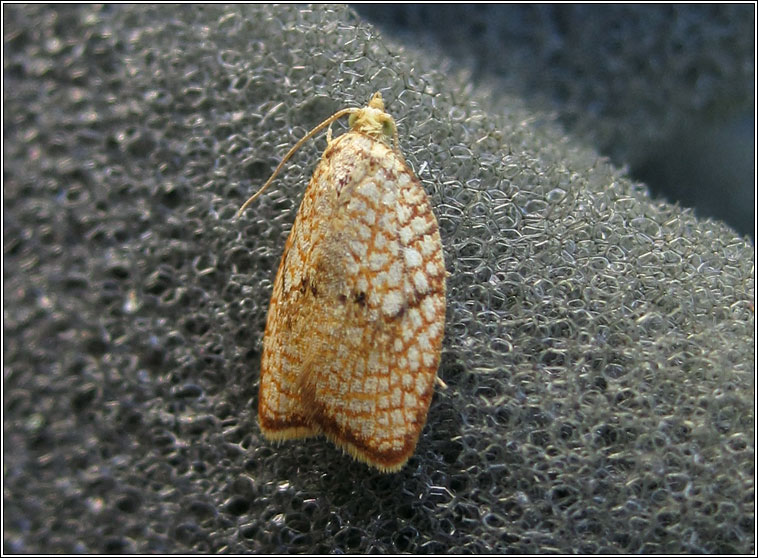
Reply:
x=337, y=115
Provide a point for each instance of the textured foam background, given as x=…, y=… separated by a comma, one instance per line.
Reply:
x=599, y=346
x=668, y=90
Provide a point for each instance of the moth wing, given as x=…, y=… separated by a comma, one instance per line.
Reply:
x=292, y=344
x=381, y=280
x=357, y=314
x=280, y=412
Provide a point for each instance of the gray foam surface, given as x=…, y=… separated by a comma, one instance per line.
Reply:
x=598, y=349
x=668, y=90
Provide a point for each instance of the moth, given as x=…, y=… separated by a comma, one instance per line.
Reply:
x=357, y=314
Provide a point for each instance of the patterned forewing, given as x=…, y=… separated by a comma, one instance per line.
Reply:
x=357, y=314
x=286, y=347
x=301, y=330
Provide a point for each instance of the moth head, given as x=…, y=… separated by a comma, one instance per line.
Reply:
x=373, y=121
